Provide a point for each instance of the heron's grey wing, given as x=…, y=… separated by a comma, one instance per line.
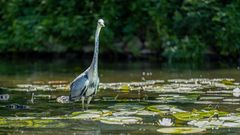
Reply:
x=79, y=86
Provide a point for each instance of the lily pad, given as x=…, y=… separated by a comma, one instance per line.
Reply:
x=238, y=109
x=89, y=114
x=42, y=96
x=205, y=102
x=230, y=118
x=196, y=115
x=31, y=123
x=206, y=123
x=146, y=113
x=125, y=88
x=231, y=100
x=122, y=107
x=163, y=109
x=211, y=98
x=110, y=98
x=228, y=82
x=121, y=120
x=177, y=98
x=124, y=113
x=180, y=130
x=24, y=85
x=231, y=124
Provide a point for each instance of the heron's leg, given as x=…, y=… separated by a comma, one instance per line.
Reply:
x=83, y=98
x=88, y=101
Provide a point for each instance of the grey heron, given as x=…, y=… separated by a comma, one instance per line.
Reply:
x=86, y=84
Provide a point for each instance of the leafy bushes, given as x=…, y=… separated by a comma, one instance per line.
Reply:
x=176, y=30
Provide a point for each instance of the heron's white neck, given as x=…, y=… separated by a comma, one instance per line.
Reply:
x=94, y=64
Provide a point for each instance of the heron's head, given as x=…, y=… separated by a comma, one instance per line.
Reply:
x=101, y=23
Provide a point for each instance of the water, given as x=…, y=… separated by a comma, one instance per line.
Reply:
x=148, y=92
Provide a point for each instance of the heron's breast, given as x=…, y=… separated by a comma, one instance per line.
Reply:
x=92, y=88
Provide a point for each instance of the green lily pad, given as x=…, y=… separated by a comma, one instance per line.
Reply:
x=124, y=107
x=163, y=109
x=89, y=114
x=24, y=85
x=220, y=122
x=42, y=96
x=231, y=100
x=177, y=98
x=124, y=113
x=211, y=98
x=230, y=118
x=196, y=115
x=238, y=109
x=110, y=98
x=228, y=82
x=180, y=130
x=230, y=103
x=31, y=123
x=121, y=120
x=125, y=88
x=146, y=113
x=206, y=123
x=231, y=124
x=205, y=102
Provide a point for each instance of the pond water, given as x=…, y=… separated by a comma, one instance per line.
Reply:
x=133, y=98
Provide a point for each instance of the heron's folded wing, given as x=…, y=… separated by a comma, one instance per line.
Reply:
x=79, y=86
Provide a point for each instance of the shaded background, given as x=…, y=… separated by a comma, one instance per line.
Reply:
x=166, y=30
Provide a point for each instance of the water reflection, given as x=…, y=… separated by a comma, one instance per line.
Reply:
x=22, y=71
x=134, y=98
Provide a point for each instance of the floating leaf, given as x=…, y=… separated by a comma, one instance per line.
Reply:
x=122, y=107
x=238, y=109
x=146, y=113
x=231, y=124
x=89, y=114
x=162, y=109
x=211, y=98
x=180, y=130
x=228, y=82
x=231, y=100
x=31, y=123
x=124, y=113
x=196, y=115
x=230, y=118
x=121, y=120
x=110, y=98
x=125, y=88
x=205, y=102
x=206, y=123
x=42, y=96
x=58, y=82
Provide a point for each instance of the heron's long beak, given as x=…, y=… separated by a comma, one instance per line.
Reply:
x=102, y=24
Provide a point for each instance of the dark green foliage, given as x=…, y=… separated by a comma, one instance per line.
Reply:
x=174, y=29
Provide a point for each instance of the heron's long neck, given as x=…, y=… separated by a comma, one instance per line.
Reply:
x=94, y=64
